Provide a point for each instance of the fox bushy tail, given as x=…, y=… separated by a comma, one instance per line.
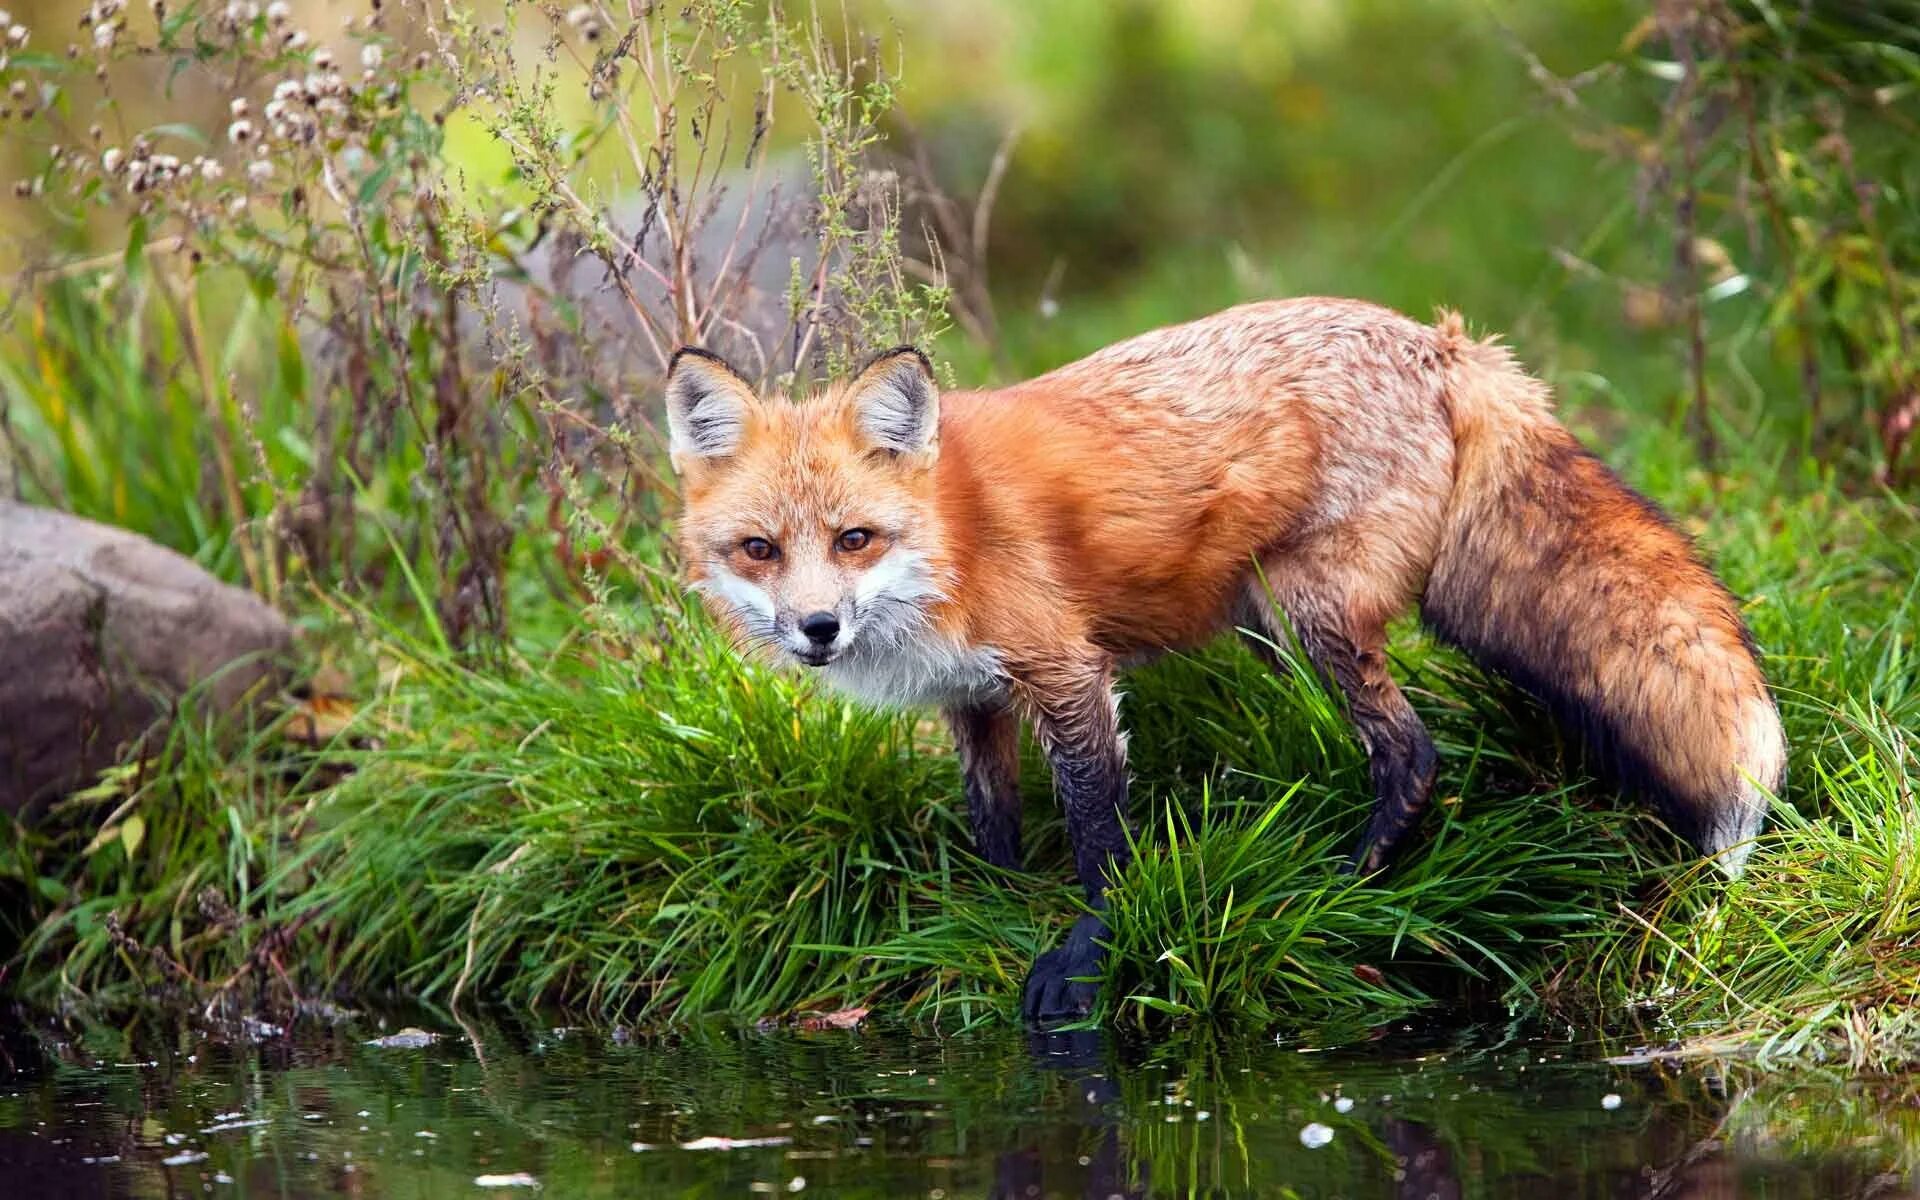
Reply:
x=1556, y=574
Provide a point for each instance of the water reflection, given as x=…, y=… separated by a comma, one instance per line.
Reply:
x=158, y=1109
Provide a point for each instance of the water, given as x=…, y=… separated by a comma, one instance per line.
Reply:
x=167, y=1109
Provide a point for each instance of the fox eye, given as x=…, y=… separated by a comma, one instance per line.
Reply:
x=759, y=549
x=853, y=539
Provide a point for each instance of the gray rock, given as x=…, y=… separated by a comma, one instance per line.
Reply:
x=100, y=630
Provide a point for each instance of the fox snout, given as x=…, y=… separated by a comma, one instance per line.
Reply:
x=821, y=630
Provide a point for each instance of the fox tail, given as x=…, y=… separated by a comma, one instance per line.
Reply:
x=1556, y=574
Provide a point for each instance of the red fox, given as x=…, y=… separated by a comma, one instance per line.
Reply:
x=1322, y=463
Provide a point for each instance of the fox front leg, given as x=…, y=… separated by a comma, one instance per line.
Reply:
x=987, y=739
x=1075, y=717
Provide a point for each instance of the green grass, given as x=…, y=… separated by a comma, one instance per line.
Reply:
x=631, y=821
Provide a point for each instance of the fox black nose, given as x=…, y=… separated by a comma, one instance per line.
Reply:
x=821, y=628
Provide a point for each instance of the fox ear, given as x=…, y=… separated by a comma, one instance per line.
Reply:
x=896, y=404
x=707, y=407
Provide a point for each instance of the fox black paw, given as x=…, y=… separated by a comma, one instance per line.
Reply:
x=1064, y=982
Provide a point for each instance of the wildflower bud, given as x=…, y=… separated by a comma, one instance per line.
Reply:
x=237, y=205
x=95, y=132
x=6, y=18
x=370, y=55
x=297, y=40
x=240, y=131
x=239, y=106
x=259, y=170
x=18, y=90
x=17, y=35
x=286, y=89
x=275, y=110
x=23, y=189
x=104, y=35
x=579, y=15
x=278, y=12
x=211, y=171
x=323, y=59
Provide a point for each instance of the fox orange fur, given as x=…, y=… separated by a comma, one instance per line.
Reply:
x=1003, y=553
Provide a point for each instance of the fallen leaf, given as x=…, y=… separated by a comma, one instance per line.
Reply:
x=407, y=1039
x=845, y=1018
x=321, y=718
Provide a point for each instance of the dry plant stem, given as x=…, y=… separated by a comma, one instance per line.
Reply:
x=1757, y=162
x=1676, y=19
x=1903, y=405
x=217, y=423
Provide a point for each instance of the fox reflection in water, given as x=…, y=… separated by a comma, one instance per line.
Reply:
x=1023, y=1173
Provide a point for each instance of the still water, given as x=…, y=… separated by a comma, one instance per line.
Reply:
x=344, y=1108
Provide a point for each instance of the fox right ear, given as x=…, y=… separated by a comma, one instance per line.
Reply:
x=707, y=407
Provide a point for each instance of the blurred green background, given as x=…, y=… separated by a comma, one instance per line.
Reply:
x=1175, y=156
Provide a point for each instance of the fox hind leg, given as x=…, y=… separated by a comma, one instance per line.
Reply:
x=1345, y=638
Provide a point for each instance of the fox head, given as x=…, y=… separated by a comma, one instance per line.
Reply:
x=809, y=525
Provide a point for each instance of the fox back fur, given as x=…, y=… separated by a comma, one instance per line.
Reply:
x=1316, y=464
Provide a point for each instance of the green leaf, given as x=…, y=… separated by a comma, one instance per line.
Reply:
x=136, y=243
x=179, y=130
x=132, y=832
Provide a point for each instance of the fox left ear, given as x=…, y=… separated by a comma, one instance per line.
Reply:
x=896, y=403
